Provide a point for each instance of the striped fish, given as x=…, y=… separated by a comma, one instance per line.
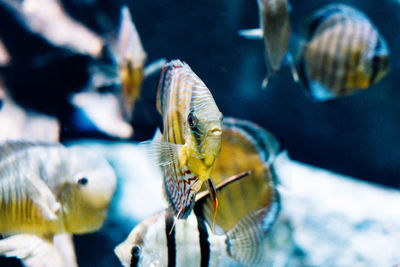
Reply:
x=275, y=30
x=191, y=139
x=131, y=58
x=111, y=113
x=344, y=53
x=46, y=189
x=244, y=146
x=243, y=223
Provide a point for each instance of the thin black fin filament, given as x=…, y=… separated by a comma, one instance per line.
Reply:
x=214, y=197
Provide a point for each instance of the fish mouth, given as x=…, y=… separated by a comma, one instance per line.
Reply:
x=215, y=132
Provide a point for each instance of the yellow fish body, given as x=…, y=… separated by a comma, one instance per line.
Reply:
x=344, y=53
x=132, y=58
x=245, y=146
x=47, y=189
x=191, y=139
x=248, y=208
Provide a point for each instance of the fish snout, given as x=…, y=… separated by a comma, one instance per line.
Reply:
x=216, y=131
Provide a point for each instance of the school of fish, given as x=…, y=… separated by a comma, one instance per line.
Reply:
x=243, y=222
x=218, y=173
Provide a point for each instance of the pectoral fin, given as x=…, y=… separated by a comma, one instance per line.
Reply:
x=41, y=195
x=164, y=152
x=255, y=34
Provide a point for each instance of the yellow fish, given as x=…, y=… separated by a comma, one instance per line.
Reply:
x=131, y=59
x=191, y=139
x=127, y=73
x=275, y=30
x=47, y=189
x=250, y=207
x=244, y=146
x=344, y=53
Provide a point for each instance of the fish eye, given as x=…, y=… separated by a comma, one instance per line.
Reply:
x=83, y=181
x=135, y=253
x=192, y=120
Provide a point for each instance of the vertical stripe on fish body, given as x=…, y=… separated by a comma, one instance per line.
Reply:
x=191, y=139
x=275, y=23
x=131, y=61
x=159, y=241
x=47, y=189
x=189, y=243
x=345, y=53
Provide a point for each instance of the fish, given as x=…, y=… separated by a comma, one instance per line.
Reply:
x=243, y=223
x=126, y=73
x=344, y=53
x=275, y=29
x=244, y=146
x=49, y=19
x=48, y=189
x=191, y=138
x=128, y=70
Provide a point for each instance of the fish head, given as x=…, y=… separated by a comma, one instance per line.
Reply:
x=139, y=248
x=204, y=136
x=379, y=61
x=87, y=191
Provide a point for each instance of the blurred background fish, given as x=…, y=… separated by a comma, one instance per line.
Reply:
x=344, y=53
x=245, y=146
x=275, y=30
x=243, y=222
x=49, y=19
x=48, y=189
x=191, y=137
x=126, y=73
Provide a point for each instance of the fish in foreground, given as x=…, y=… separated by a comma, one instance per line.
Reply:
x=344, y=53
x=275, y=30
x=243, y=223
x=48, y=189
x=191, y=139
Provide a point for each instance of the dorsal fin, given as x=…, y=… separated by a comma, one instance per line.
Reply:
x=165, y=81
x=9, y=148
x=330, y=15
